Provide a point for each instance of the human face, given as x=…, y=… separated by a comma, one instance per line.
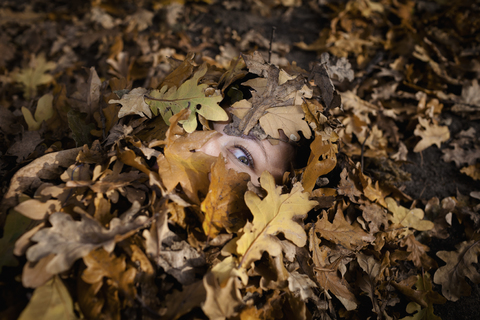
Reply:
x=250, y=155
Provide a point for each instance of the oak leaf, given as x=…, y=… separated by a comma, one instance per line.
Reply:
x=472, y=171
x=181, y=302
x=224, y=202
x=418, y=253
x=35, y=75
x=101, y=264
x=347, y=187
x=190, y=95
x=351, y=236
x=290, y=119
x=133, y=103
x=407, y=218
x=460, y=264
x=432, y=134
x=276, y=213
x=71, y=240
x=50, y=301
x=182, y=165
x=222, y=301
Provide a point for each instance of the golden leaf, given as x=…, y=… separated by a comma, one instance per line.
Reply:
x=276, y=213
x=50, y=301
x=221, y=301
x=315, y=167
x=408, y=218
x=433, y=134
x=35, y=75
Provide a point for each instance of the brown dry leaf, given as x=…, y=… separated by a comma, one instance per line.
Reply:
x=375, y=216
x=25, y=146
x=221, y=301
x=37, y=210
x=48, y=167
x=71, y=240
x=432, y=134
x=460, y=264
x=224, y=202
x=274, y=94
x=276, y=213
x=181, y=164
x=87, y=97
x=407, y=218
x=472, y=171
x=35, y=75
x=347, y=187
x=461, y=156
x=321, y=161
x=301, y=285
x=327, y=273
x=181, y=302
x=418, y=253
x=351, y=236
x=35, y=274
x=102, y=264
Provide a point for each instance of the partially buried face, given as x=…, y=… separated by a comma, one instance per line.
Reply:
x=249, y=154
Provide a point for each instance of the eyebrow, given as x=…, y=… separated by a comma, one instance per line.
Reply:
x=256, y=140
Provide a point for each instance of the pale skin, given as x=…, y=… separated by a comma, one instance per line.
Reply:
x=250, y=155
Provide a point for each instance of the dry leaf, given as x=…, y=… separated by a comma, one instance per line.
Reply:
x=321, y=161
x=71, y=240
x=341, y=232
x=133, y=102
x=276, y=213
x=432, y=134
x=221, y=301
x=407, y=218
x=35, y=75
x=224, y=202
x=460, y=264
x=50, y=301
x=190, y=95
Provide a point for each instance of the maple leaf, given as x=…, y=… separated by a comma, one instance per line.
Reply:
x=71, y=240
x=408, y=218
x=190, y=95
x=432, y=134
x=101, y=264
x=224, y=200
x=460, y=264
x=276, y=213
x=50, y=301
x=222, y=301
x=133, y=102
x=351, y=236
x=35, y=75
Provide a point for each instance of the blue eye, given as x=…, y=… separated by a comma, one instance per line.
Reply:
x=242, y=155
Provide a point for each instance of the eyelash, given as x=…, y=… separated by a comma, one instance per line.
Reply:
x=247, y=154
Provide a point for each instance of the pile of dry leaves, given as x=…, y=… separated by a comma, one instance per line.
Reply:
x=109, y=213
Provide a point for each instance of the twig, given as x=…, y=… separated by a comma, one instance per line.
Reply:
x=271, y=44
x=363, y=149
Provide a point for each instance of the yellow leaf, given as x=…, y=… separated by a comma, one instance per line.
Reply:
x=43, y=113
x=224, y=201
x=290, y=119
x=50, y=302
x=276, y=213
x=408, y=218
x=35, y=75
x=190, y=95
x=432, y=134
x=473, y=171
